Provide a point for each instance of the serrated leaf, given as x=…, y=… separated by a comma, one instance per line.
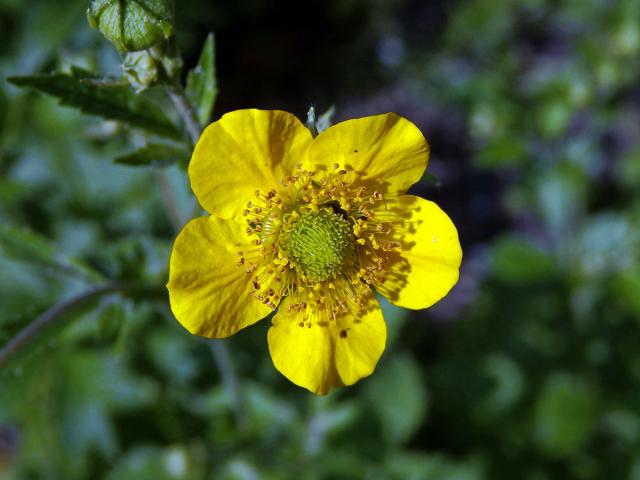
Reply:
x=154, y=155
x=202, y=87
x=109, y=100
x=26, y=245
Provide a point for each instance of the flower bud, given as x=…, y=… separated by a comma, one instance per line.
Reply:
x=150, y=67
x=141, y=70
x=132, y=25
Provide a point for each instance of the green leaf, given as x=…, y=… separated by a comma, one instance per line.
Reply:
x=325, y=120
x=172, y=463
x=507, y=386
x=311, y=121
x=26, y=245
x=430, y=180
x=502, y=153
x=599, y=242
x=111, y=319
x=635, y=469
x=561, y=199
x=12, y=191
x=565, y=415
x=625, y=287
x=623, y=425
x=11, y=323
x=415, y=465
x=163, y=347
x=395, y=317
x=4, y=108
x=399, y=397
x=108, y=100
x=318, y=124
x=155, y=155
x=517, y=260
x=93, y=387
x=31, y=355
x=202, y=87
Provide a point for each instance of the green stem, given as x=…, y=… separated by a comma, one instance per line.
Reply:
x=59, y=310
x=186, y=111
x=49, y=316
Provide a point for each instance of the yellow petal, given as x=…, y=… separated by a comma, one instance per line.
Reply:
x=244, y=151
x=427, y=265
x=387, y=150
x=324, y=354
x=209, y=294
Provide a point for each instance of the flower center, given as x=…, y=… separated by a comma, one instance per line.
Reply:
x=320, y=243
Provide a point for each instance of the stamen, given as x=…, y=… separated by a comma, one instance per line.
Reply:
x=317, y=239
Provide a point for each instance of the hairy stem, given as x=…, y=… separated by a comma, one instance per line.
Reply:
x=49, y=316
x=186, y=111
x=60, y=309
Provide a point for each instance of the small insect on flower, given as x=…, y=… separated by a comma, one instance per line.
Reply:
x=309, y=227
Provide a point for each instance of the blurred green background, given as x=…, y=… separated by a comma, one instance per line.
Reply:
x=529, y=369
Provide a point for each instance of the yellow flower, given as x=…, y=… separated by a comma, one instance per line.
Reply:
x=308, y=227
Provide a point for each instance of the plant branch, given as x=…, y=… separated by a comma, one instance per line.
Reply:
x=49, y=316
x=186, y=111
